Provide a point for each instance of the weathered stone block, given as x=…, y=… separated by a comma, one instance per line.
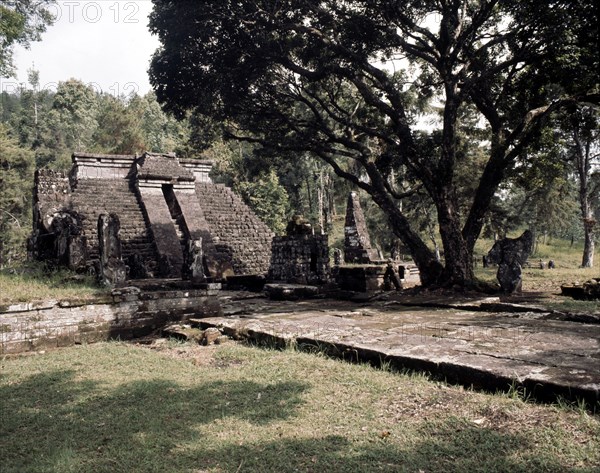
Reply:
x=510, y=254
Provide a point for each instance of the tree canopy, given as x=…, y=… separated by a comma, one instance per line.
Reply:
x=351, y=81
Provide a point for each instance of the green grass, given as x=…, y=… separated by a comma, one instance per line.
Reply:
x=35, y=282
x=115, y=407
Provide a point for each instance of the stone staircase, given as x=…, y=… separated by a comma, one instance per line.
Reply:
x=93, y=197
x=178, y=222
x=238, y=233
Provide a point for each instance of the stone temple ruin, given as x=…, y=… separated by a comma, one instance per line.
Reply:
x=357, y=243
x=147, y=203
x=166, y=239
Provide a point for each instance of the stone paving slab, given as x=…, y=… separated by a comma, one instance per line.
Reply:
x=490, y=350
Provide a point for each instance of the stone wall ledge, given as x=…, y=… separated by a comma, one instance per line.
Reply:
x=125, y=314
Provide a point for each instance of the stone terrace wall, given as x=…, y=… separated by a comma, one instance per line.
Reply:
x=238, y=234
x=126, y=314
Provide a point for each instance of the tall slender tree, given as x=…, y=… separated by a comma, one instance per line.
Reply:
x=16, y=180
x=583, y=126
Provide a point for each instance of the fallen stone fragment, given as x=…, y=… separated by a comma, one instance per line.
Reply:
x=291, y=292
x=211, y=335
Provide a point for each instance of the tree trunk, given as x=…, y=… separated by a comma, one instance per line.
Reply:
x=582, y=157
x=458, y=261
x=309, y=196
x=321, y=200
x=588, y=245
x=491, y=178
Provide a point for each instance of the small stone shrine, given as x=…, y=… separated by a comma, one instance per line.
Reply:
x=510, y=254
x=174, y=221
x=300, y=257
x=357, y=243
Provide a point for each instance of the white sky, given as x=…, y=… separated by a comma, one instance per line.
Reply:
x=105, y=43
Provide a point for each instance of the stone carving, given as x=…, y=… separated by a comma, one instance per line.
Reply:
x=194, y=262
x=510, y=254
x=70, y=248
x=164, y=266
x=298, y=226
x=136, y=267
x=357, y=243
x=59, y=239
x=112, y=270
x=391, y=278
x=337, y=257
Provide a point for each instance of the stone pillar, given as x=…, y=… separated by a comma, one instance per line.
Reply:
x=70, y=246
x=112, y=271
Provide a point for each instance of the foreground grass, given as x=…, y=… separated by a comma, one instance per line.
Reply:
x=117, y=407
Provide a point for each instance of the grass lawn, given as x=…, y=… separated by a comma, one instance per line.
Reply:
x=33, y=282
x=175, y=407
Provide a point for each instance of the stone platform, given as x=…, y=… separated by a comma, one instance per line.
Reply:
x=477, y=342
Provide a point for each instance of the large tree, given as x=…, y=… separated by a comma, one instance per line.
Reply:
x=348, y=81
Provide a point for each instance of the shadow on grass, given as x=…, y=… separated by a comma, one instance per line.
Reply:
x=54, y=423
x=51, y=422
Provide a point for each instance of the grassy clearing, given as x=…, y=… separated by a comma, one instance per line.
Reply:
x=116, y=407
x=34, y=282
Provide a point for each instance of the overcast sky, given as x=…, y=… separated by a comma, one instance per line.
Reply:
x=105, y=43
